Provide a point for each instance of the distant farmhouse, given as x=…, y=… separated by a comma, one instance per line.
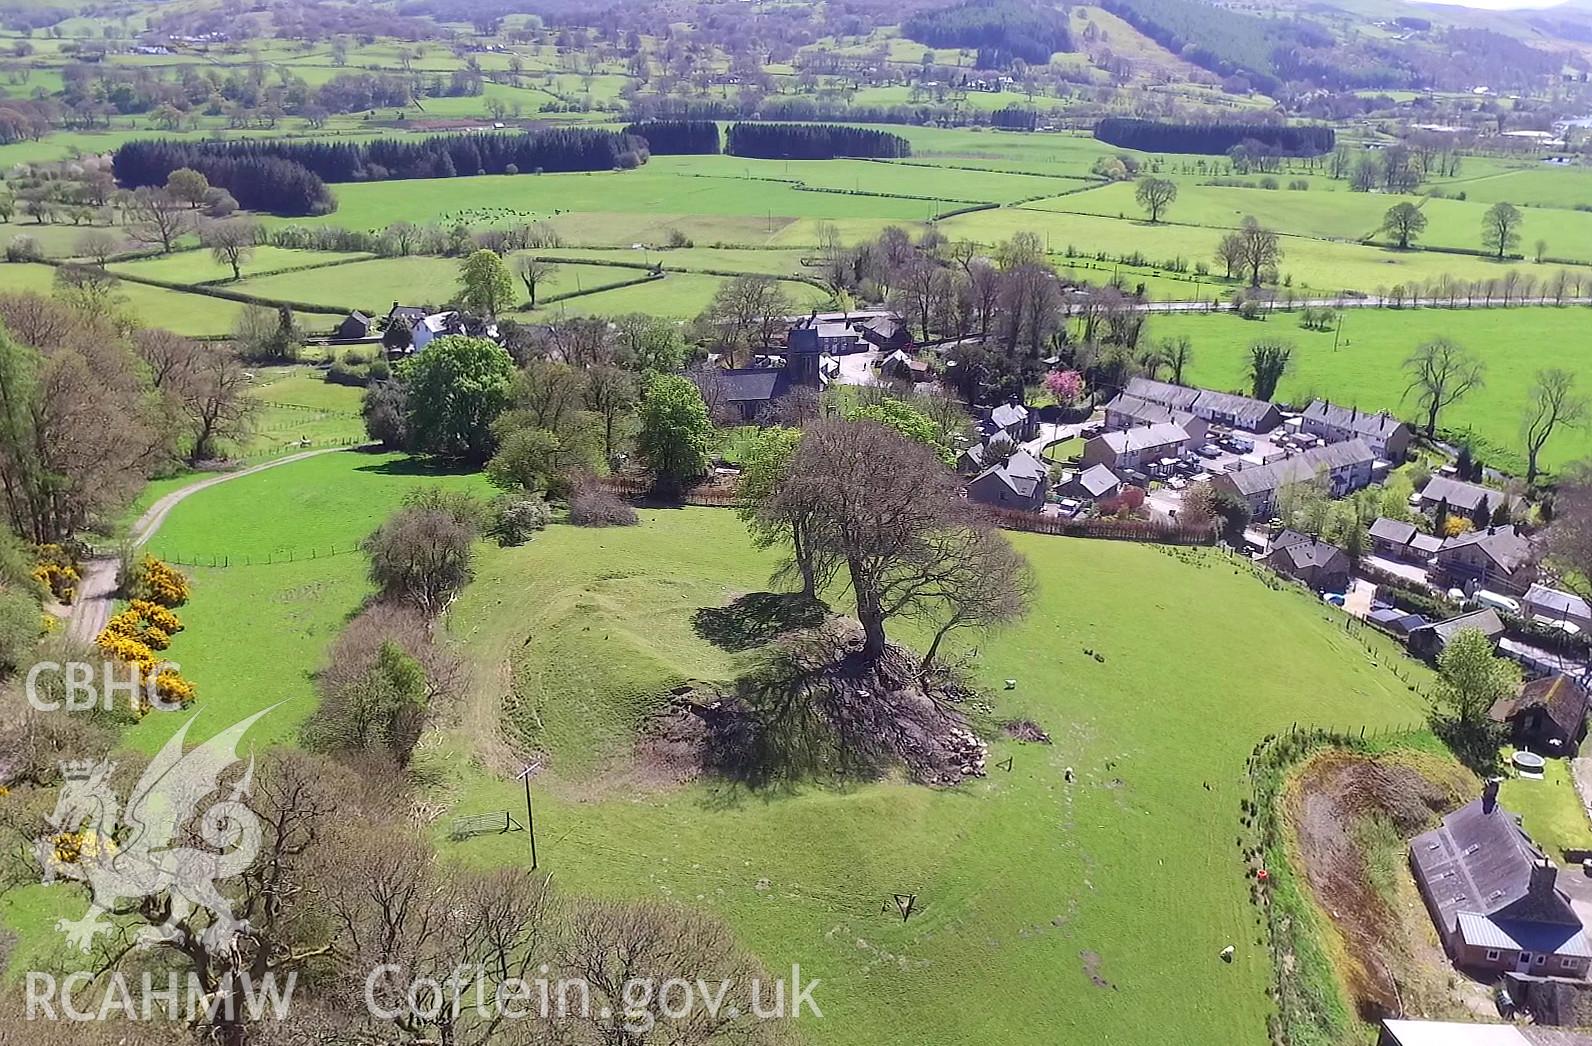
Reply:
x=1462, y=498
x=1494, y=895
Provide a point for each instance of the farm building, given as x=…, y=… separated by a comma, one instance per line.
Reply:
x=1388, y=437
x=1548, y=715
x=1010, y=419
x=1494, y=895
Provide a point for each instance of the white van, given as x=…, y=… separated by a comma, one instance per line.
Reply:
x=1493, y=600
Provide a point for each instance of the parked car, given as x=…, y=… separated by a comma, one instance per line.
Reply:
x=1209, y=450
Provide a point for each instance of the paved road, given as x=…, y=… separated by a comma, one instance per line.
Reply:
x=97, y=587
x=1367, y=302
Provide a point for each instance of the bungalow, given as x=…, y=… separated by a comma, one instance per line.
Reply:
x=1345, y=468
x=1396, y=539
x=1462, y=498
x=1315, y=563
x=1091, y=484
x=1219, y=408
x=1137, y=448
x=1550, y=606
x=1128, y=412
x=1429, y=640
x=1020, y=482
x=1010, y=419
x=1494, y=895
x=1388, y=437
x=1497, y=557
x=1547, y=715
x=1395, y=622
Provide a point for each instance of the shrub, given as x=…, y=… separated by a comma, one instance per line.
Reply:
x=57, y=572
x=24, y=249
x=592, y=506
x=516, y=517
x=153, y=581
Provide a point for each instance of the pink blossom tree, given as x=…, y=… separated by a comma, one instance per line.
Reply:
x=1065, y=385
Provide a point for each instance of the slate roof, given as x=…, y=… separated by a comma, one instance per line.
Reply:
x=751, y=384
x=1022, y=472
x=1480, y=863
x=1145, y=437
x=1008, y=414
x=1146, y=412
x=1564, y=604
x=1246, y=412
x=1306, y=553
x=1558, y=695
x=1461, y=496
x=1486, y=621
x=1395, y=530
x=1500, y=544
x=1378, y=426
x=1097, y=480
x=1301, y=467
x=1400, y=622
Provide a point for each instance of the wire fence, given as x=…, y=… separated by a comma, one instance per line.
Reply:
x=220, y=560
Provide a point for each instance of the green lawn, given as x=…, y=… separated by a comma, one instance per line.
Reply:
x=1366, y=369
x=1549, y=808
x=678, y=296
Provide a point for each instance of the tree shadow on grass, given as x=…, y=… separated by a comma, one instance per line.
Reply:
x=757, y=618
x=417, y=468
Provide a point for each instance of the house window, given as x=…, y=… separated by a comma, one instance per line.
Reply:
x=1541, y=959
x=1567, y=962
x=1492, y=954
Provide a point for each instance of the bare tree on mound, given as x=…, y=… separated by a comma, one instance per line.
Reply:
x=886, y=509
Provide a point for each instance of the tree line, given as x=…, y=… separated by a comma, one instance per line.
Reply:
x=1000, y=31
x=289, y=177
x=677, y=137
x=812, y=142
x=1214, y=139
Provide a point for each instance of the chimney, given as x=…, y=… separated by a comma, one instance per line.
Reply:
x=1543, y=877
x=1489, y=795
x=395, y=306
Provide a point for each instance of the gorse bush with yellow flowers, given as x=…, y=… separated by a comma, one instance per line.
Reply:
x=134, y=635
x=58, y=572
x=153, y=581
x=83, y=845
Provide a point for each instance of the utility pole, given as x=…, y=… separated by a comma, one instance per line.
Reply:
x=1339, y=332
x=530, y=817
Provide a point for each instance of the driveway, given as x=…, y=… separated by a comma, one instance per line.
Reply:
x=1407, y=571
x=1357, y=601
x=856, y=368
x=97, y=587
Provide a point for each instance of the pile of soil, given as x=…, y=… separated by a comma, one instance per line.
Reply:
x=1331, y=795
x=816, y=706
x=1025, y=730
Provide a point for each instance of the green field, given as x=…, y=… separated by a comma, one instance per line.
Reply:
x=197, y=266
x=1366, y=369
x=1021, y=877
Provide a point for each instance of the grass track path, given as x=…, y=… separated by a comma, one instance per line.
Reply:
x=97, y=589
